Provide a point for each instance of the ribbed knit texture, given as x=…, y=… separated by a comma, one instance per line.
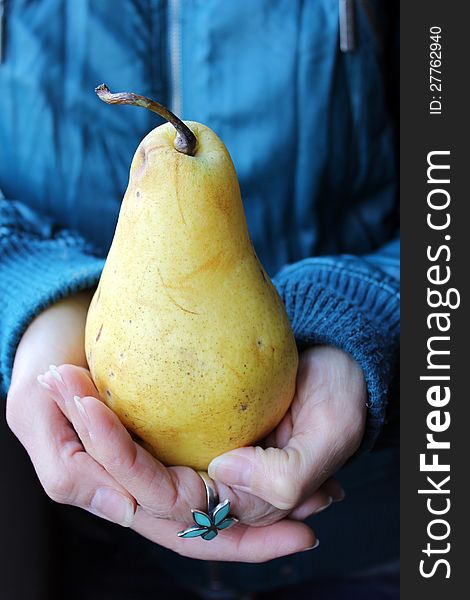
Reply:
x=37, y=268
x=348, y=303
x=343, y=301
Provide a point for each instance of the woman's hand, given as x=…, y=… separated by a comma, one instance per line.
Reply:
x=104, y=471
x=322, y=429
x=67, y=474
x=164, y=496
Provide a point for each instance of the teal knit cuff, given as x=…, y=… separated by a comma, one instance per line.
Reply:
x=353, y=307
x=35, y=273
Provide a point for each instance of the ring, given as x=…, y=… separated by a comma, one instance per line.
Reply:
x=217, y=517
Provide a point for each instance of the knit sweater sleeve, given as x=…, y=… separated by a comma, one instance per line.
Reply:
x=351, y=303
x=39, y=265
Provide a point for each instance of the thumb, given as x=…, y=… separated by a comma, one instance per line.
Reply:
x=273, y=474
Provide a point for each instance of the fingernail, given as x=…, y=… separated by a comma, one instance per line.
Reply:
x=55, y=373
x=232, y=469
x=341, y=497
x=114, y=506
x=44, y=384
x=315, y=545
x=81, y=410
x=319, y=510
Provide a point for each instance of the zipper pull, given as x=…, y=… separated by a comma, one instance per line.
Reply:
x=347, y=33
x=2, y=28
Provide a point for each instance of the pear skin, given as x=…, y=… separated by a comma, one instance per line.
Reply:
x=187, y=339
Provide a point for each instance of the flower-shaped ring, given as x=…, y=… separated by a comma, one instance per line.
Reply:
x=217, y=517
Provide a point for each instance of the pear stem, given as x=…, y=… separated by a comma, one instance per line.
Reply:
x=185, y=140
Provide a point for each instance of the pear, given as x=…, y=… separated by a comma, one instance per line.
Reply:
x=187, y=340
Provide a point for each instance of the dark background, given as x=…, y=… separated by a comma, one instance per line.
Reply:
x=24, y=532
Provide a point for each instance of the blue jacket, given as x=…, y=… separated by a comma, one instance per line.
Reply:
x=312, y=133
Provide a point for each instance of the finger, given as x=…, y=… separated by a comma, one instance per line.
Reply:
x=314, y=505
x=87, y=477
x=164, y=493
x=67, y=473
x=66, y=382
x=241, y=543
x=321, y=440
x=168, y=493
x=281, y=435
x=271, y=474
x=334, y=489
x=278, y=476
x=331, y=491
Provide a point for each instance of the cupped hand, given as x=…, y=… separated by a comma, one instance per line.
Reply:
x=67, y=473
x=164, y=496
x=322, y=429
x=85, y=457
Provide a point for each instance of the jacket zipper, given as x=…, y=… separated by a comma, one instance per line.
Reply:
x=175, y=56
x=347, y=32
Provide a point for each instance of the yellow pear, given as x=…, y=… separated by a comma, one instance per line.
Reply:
x=187, y=339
